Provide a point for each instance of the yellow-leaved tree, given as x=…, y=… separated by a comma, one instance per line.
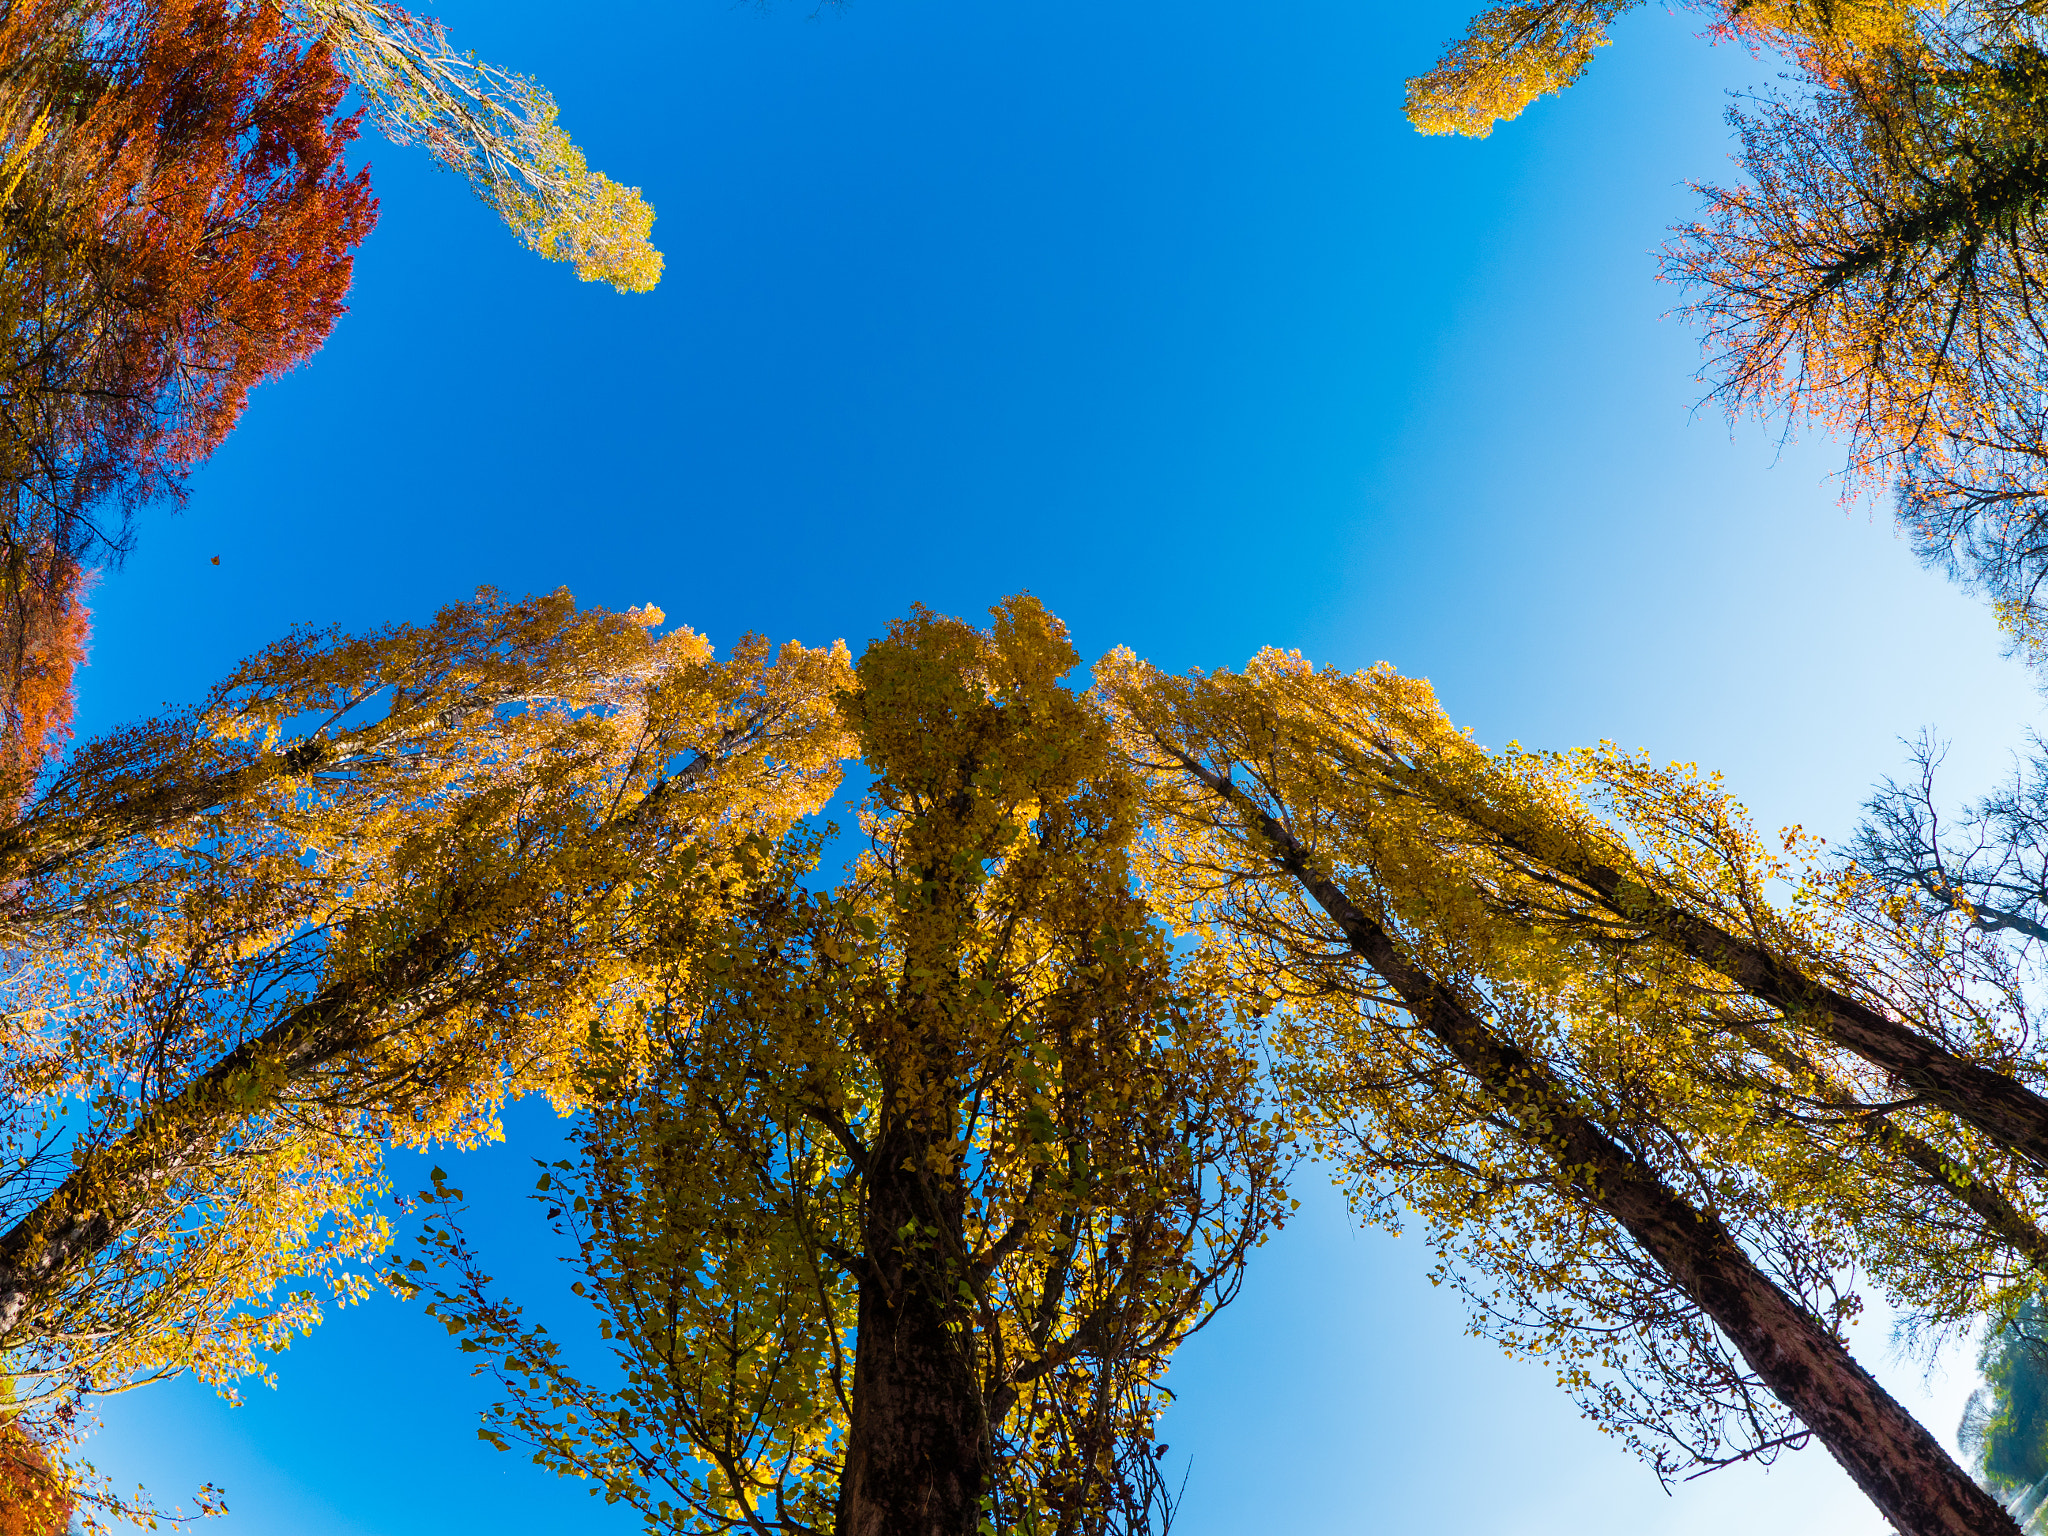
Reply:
x=923, y=1174
x=497, y=129
x=1655, y=1091
x=368, y=890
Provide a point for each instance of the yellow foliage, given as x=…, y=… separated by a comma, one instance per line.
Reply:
x=594, y=223
x=1509, y=57
x=964, y=1108
x=370, y=888
x=498, y=129
x=1548, y=891
x=1514, y=54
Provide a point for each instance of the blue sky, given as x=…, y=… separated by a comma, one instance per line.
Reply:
x=1163, y=313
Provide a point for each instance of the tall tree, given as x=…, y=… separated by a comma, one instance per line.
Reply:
x=177, y=226
x=927, y=1174
x=370, y=889
x=1628, y=1093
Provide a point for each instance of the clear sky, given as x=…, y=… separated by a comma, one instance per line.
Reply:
x=1162, y=312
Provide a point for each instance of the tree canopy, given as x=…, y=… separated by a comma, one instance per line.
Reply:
x=895, y=1191
x=1652, y=1117
x=921, y=1176
x=372, y=887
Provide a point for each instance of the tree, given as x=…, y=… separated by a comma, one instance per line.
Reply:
x=1628, y=1094
x=1881, y=274
x=497, y=129
x=371, y=888
x=178, y=227
x=924, y=1176
x=1510, y=56
x=2005, y=1423
x=1877, y=270
x=41, y=647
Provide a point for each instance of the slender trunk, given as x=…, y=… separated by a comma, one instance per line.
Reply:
x=1889, y=1454
x=2010, y=1114
x=916, y=1446
x=115, y=1185
x=2007, y=1112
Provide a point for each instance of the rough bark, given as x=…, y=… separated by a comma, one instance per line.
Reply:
x=2000, y=1216
x=2005, y=1111
x=917, y=1443
x=1888, y=1453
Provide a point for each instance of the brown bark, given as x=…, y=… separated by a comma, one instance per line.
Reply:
x=1888, y=1453
x=2000, y=1216
x=2007, y=1112
x=917, y=1442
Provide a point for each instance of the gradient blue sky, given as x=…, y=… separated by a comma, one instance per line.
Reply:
x=1162, y=312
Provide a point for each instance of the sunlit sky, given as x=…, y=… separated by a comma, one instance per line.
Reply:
x=1162, y=312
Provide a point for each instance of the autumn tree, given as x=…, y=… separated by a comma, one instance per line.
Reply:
x=176, y=226
x=498, y=130
x=923, y=1175
x=179, y=228
x=1651, y=1116
x=1879, y=273
x=368, y=890
x=1876, y=269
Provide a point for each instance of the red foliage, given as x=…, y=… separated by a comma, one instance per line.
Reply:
x=223, y=221
x=176, y=226
x=32, y=1501
x=41, y=649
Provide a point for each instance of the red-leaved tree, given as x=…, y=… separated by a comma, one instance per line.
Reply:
x=177, y=227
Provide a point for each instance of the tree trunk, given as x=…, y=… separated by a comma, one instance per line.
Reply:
x=916, y=1448
x=1890, y=1455
x=2009, y=1113
x=114, y=1185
